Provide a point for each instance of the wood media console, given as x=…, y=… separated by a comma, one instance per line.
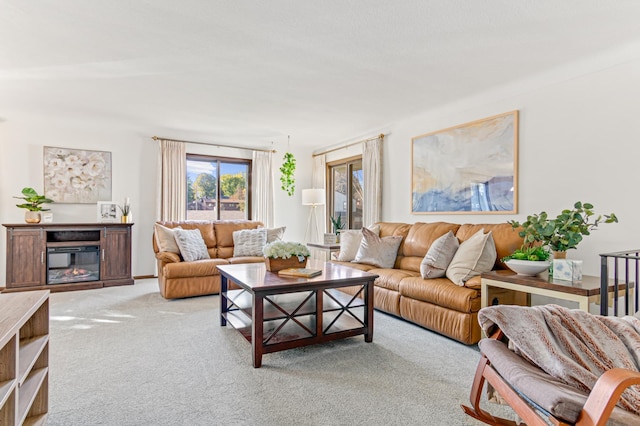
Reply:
x=61, y=257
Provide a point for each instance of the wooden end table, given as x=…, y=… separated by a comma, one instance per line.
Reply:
x=328, y=249
x=582, y=292
x=276, y=313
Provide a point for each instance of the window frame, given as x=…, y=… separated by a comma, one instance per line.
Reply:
x=218, y=160
x=348, y=162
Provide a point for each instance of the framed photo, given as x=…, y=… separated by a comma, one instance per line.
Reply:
x=470, y=168
x=76, y=175
x=107, y=211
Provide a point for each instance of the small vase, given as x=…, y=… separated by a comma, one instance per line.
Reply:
x=559, y=254
x=124, y=219
x=556, y=255
x=32, y=217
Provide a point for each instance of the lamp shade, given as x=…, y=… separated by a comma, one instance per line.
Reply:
x=312, y=197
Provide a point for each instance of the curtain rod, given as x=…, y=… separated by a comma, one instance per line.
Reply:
x=155, y=138
x=380, y=136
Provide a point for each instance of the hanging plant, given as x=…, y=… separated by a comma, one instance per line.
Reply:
x=287, y=169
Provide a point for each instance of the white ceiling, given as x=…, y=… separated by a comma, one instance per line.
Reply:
x=250, y=72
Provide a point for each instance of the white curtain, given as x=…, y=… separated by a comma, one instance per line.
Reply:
x=172, y=164
x=372, y=171
x=318, y=180
x=263, y=193
x=318, y=174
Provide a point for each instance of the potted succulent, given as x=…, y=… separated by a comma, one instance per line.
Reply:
x=337, y=224
x=280, y=255
x=565, y=231
x=125, y=209
x=528, y=260
x=33, y=204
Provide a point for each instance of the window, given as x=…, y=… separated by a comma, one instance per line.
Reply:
x=218, y=188
x=346, y=180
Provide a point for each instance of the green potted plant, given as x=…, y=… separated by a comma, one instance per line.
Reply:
x=565, y=231
x=528, y=260
x=337, y=224
x=33, y=204
x=288, y=169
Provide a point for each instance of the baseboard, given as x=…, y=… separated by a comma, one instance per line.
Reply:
x=143, y=277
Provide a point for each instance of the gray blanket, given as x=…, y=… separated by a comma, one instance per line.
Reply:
x=571, y=345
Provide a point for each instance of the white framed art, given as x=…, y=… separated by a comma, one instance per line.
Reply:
x=76, y=175
x=107, y=211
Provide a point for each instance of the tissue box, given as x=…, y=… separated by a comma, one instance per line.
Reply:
x=568, y=270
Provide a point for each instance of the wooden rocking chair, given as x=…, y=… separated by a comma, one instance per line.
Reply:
x=535, y=396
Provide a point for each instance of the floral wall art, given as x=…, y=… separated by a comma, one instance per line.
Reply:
x=77, y=176
x=470, y=168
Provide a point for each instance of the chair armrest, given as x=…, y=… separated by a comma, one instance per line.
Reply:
x=605, y=394
x=168, y=257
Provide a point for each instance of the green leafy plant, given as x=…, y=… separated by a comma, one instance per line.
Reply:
x=125, y=209
x=536, y=253
x=565, y=231
x=337, y=224
x=288, y=169
x=33, y=200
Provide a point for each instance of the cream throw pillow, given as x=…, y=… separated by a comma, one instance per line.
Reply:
x=474, y=256
x=165, y=238
x=192, y=246
x=275, y=234
x=376, y=251
x=350, y=243
x=439, y=256
x=249, y=242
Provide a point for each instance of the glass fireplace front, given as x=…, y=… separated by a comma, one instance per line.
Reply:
x=73, y=264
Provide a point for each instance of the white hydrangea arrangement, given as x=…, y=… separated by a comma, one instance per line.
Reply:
x=285, y=249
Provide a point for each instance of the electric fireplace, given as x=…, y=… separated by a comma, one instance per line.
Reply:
x=73, y=264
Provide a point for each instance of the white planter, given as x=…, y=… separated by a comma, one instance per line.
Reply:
x=527, y=267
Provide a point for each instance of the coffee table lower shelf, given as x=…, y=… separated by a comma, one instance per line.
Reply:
x=289, y=320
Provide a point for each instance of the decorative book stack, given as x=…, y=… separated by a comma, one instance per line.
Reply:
x=300, y=272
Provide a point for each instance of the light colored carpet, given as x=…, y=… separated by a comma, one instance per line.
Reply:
x=126, y=356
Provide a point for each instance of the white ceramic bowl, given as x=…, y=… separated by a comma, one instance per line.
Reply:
x=527, y=267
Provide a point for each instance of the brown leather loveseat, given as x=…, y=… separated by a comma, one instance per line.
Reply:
x=178, y=278
x=434, y=303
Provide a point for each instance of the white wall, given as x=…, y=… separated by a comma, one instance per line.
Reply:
x=578, y=141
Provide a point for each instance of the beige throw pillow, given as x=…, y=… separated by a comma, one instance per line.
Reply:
x=249, y=242
x=376, y=251
x=275, y=234
x=191, y=243
x=350, y=243
x=165, y=238
x=439, y=256
x=474, y=256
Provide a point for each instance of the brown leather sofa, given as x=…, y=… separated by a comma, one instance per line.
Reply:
x=178, y=278
x=437, y=303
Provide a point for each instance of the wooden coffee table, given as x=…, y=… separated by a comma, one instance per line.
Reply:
x=277, y=313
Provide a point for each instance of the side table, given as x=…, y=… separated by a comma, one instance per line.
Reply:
x=583, y=292
x=327, y=249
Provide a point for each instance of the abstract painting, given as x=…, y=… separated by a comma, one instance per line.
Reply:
x=77, y=176
x=470, y=168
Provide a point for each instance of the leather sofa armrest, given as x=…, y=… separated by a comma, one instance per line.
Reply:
x=474, y=282
x=168, y=257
